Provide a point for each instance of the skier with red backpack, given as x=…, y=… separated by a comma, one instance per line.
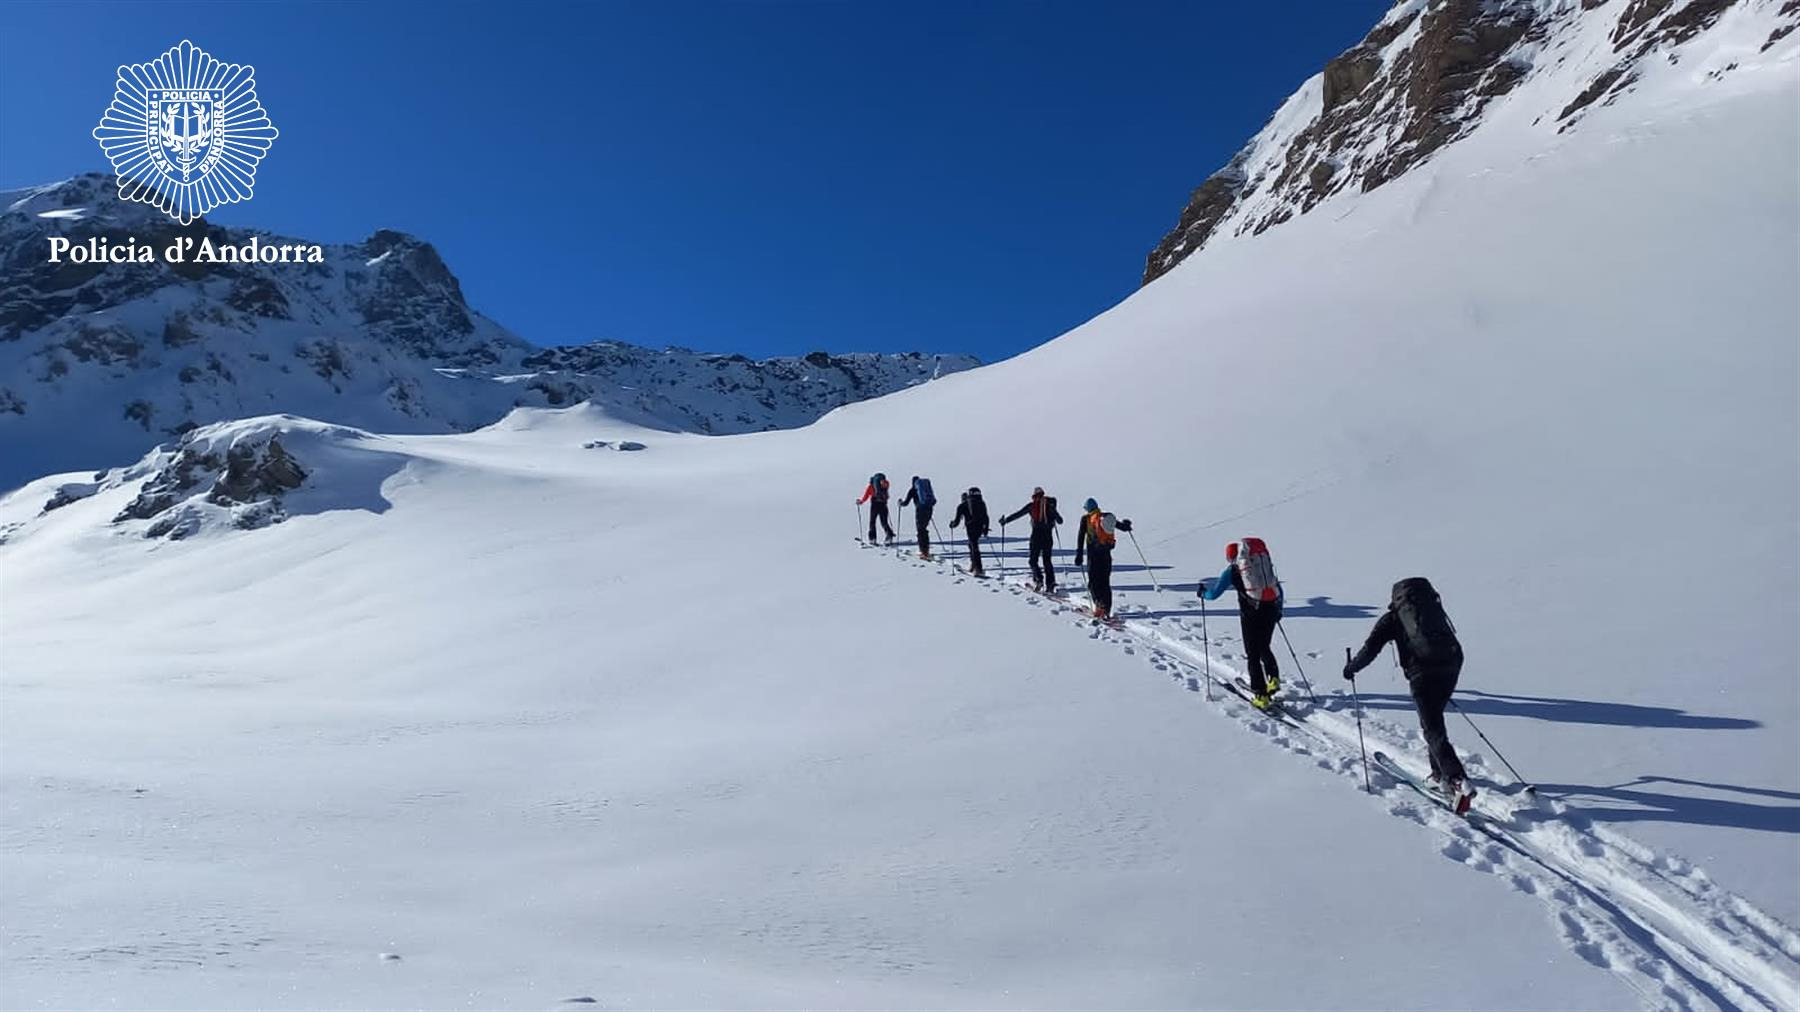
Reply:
x=1095, y=540
x=878, y=491
x=1431, y=656
x=1044, y=521
x=922, y=499
x=1250, y=571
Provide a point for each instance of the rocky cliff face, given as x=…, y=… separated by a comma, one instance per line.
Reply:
x=99, y=360
x=1432, y=71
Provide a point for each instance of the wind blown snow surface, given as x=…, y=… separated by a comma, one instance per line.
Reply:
x=533, y=723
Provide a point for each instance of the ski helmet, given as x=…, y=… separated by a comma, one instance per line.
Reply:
x=1037, y=491
x=1090, y=506
x=1231, y=550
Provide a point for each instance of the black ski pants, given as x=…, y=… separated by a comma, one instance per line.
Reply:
x=974, y=551
x=922, y=526
x=878, y=511
x=1099, y=573
x=1043, y=572
x=1431, y=690
x=1259, y=622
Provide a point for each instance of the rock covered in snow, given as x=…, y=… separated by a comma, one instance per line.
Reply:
x=239, y=475
x=725, y=394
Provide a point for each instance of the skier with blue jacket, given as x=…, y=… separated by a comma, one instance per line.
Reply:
x=1251, y=572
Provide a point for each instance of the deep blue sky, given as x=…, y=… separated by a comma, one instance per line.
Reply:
x=766, y=178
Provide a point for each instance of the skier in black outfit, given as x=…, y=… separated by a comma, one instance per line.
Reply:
x=877, y=490
x=1044, y=521
x=919, y=496
x=972, y=514
x=1095, y=541
x=1432, y=658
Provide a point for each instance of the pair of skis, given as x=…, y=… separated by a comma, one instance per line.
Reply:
x=1276, y=708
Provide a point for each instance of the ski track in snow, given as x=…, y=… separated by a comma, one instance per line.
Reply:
x=1655, y=919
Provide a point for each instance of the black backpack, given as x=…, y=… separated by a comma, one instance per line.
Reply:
x=1429, y=635
x=978, y=517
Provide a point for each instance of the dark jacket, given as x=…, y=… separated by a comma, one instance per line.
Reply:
x=1086, y=544
x=977, y=518
x=1388, y=630
x=1044, y=516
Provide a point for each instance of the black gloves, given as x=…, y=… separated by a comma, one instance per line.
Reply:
x=1125, y=525
x=1200, y=591
x=1350, y=672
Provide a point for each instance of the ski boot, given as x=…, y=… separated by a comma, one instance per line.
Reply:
x=1273, y=682
x=1262, y=700
x=1460, y=795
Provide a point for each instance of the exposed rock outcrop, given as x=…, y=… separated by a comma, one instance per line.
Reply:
x=1425, y=77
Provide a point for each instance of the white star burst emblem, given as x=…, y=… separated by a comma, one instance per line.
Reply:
x=185, y=132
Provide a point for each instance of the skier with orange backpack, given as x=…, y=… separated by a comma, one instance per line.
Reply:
x=1044, y=521
x=1251, y=572
x=1096, y=539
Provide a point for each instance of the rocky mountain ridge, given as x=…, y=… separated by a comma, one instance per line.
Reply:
x=100, y=360
x=1432, y=71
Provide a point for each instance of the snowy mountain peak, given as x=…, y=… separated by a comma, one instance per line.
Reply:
x=99, y=359
x=1433, y=71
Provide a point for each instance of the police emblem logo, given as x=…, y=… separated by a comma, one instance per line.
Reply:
x=185, y=132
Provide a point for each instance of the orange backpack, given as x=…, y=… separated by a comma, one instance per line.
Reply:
x=1100, y=529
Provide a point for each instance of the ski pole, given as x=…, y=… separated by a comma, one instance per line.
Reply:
x=859, y=536
x=1529, y=787
x=1297, y=667
x=939, y=531
x=1359, y=738
x=1003, y=550
x=1205, y=643
x=1146, y=562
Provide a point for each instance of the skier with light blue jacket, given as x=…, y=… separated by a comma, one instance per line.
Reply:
x=1251, y=572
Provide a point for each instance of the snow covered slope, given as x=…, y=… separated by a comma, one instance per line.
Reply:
x=100, y=361
x=545, y=722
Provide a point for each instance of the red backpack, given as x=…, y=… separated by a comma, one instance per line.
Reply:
x=1256, y=569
